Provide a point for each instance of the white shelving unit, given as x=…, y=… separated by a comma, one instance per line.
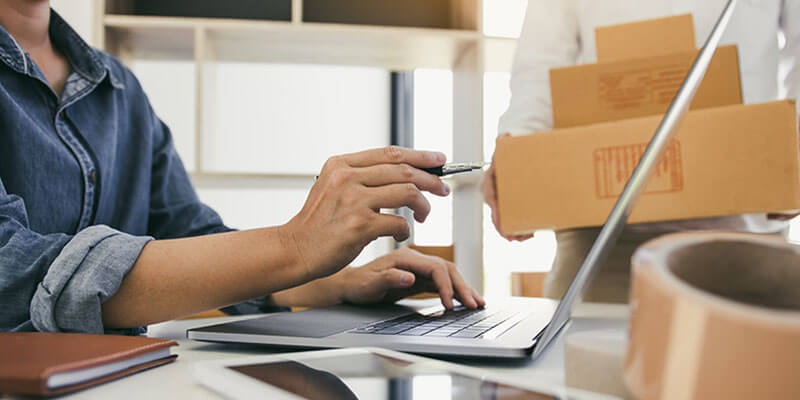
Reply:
x=460, y=47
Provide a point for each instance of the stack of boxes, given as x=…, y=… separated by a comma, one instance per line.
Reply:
x=727, y=158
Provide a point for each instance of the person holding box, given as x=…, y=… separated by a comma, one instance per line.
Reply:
x=562, y=33
x=102, y=231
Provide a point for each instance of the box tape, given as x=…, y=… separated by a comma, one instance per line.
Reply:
x=715, y=315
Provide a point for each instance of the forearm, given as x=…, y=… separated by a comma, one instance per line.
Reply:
x=340, y=216
x=317, y=293
x=174, y=278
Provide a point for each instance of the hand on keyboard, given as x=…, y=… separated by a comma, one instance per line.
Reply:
x=460, y=322
x=404, y=273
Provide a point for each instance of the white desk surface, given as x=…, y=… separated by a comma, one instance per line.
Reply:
x=174, y=381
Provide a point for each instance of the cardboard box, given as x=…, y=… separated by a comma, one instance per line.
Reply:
x=640, y=67
x=723, y=161
x=645, y=38
x=587, y=94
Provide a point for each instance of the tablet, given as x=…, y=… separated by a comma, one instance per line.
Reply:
x=355, y=373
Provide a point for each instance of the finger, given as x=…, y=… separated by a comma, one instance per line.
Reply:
x=444, y=285
x=489, y=193
x=387, y=174
x=388, y=225
x=496, y=223
x=430, y=267
x=395, y=155
x=781, y=217
x=520, y=238
x=490, y=180
x=481, y=301
x=399, y=195
x=509, y=237
x=490, y=196
x=462, y=290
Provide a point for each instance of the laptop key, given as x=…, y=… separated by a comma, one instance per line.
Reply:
x=391, y=331
x=439, y=333
x=408, y=325
x=468, y=333
x=415, y=332
x=448, y=329
x=436, y=323
x=461, y=322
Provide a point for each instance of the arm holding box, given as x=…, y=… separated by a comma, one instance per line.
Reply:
x=549, y=39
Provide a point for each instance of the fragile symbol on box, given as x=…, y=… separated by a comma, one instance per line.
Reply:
x=613, y=166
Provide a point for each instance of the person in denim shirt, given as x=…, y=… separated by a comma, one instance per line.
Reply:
x=101, y=230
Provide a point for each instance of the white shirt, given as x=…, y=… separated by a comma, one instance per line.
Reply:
x=559, y=33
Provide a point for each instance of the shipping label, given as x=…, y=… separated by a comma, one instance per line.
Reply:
x=613, y=166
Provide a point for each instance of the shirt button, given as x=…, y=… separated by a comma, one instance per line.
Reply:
x=92, y=177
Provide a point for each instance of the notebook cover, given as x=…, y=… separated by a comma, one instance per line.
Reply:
x=29, y=358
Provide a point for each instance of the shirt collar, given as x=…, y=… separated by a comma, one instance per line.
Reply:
x=11, y=53
x=83, y=59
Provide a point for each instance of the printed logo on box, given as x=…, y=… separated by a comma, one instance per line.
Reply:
x=613, y=166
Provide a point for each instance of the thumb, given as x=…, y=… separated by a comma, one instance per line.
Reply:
x=397, y=279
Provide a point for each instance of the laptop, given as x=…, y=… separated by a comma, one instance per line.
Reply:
x=519, y=327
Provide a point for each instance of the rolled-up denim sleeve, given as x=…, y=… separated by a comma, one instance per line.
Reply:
x=87, y=272
x=58, y=281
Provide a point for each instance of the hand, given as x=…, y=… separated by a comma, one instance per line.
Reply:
x=342, y=212
x=402, y=273
x=490, y=197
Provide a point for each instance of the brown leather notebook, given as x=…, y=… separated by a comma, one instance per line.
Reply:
x=36, y=363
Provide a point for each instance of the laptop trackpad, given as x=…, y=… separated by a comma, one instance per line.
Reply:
x=314, y=323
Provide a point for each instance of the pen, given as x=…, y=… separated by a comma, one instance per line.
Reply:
x=455, y=168
x=450, y=168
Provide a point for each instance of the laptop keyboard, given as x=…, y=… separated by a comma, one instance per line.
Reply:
x=460, y=322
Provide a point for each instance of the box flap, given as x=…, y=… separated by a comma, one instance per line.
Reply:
x=592, y=93
x=648, y=38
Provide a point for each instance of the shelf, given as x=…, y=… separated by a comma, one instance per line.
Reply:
x=157, y=38
x=445, y=14
x=274, y=10
x=319, y=43
x=394, y=48
x=409, y=13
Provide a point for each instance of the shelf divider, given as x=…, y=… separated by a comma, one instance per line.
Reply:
x=468, y=146
x=200, y=57
x=297, y=12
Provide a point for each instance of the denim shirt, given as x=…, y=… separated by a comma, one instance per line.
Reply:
x=86, y=180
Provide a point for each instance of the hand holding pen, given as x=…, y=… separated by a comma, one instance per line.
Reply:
x=452, y=168
x=343, y=208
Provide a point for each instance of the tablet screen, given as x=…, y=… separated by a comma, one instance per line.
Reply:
x=372, y=376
